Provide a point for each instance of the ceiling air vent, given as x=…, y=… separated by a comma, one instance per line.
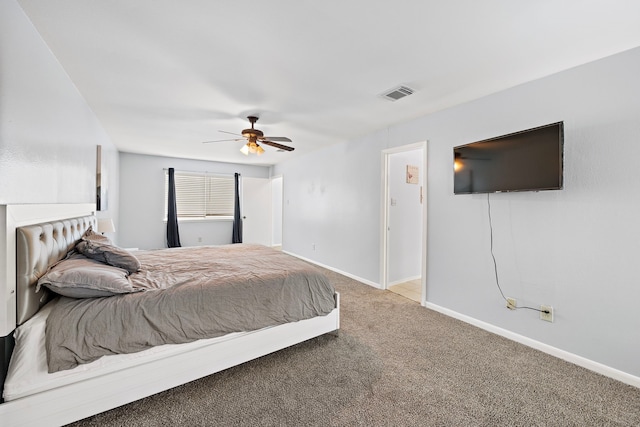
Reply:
x=397, y=93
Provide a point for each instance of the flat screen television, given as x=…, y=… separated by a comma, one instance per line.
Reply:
x=530, y=160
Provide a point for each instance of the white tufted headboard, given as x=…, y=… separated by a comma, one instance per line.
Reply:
x=39, y=246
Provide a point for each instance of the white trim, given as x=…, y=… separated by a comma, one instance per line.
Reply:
x=407, y=147
x=344, y=273
x=384, y=217
x=553, y=351
x=425, y=220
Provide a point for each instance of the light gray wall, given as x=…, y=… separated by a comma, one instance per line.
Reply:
x=142, y=222
x=48, y=133
x=575, y=249
x=332, y=203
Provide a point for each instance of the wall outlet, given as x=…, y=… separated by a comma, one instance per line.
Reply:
x=546, y=316
x=313, y=246
x=512, y=303
x=199, y=239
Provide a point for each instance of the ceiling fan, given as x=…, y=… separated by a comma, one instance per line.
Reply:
x=253, y=136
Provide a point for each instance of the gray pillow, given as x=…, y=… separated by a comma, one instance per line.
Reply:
x=92, y=235
x=108, y=254
x=80, y=277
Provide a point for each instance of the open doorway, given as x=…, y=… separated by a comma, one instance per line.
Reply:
x=404, y=221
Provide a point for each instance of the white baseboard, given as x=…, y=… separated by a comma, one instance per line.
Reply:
x=344, y=273
x=553, y=351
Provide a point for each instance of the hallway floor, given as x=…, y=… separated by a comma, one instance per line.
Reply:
x=410, y=289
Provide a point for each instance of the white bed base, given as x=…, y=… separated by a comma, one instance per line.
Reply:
x=76, y=401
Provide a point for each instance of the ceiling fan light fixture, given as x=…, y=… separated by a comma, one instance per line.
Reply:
x=254, y=135
x=251, y=147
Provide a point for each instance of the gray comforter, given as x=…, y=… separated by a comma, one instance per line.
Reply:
x=194, y=293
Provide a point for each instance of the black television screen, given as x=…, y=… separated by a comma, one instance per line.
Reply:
x=529, y=160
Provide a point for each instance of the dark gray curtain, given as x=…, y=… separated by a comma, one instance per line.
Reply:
x=237, y=221
x=173, y=237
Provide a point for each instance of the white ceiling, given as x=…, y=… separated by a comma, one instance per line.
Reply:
x=164, y=75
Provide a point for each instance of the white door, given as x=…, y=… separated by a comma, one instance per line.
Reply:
x=256, y=211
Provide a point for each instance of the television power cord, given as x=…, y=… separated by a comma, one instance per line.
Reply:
x=495, y=264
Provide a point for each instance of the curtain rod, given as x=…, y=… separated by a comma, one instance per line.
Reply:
x=207, y=172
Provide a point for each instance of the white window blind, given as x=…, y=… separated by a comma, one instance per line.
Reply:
x=200, y=195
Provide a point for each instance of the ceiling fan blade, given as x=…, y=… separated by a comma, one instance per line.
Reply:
x=230, y=133
x=275, y=144
x=276, y=138
x=223, y=140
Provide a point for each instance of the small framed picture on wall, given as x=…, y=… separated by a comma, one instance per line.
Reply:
x=412, y=174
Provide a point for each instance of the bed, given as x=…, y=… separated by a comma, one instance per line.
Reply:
x=81, y=385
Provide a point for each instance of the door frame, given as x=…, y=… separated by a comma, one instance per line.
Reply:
x=272, y=178
x=384, y=215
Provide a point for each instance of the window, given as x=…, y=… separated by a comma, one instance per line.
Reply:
x=201, y=196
